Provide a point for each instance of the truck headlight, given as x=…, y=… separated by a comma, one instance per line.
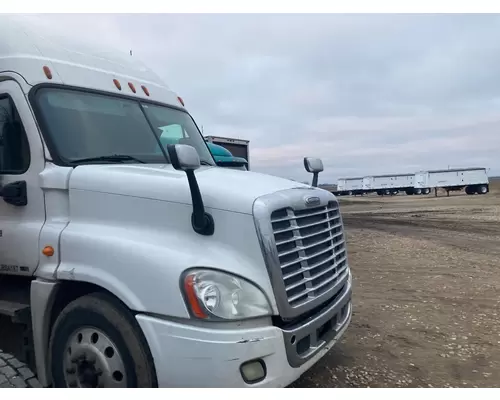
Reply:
x=216, y=295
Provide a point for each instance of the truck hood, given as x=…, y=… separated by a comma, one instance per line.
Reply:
x=221, y=188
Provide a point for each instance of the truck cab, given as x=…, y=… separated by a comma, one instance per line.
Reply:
x=224, y=158
x=132, y=262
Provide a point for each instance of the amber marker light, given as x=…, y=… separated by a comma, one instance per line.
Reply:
x=48, y=251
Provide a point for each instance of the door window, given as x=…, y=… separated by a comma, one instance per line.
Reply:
x=14, y=148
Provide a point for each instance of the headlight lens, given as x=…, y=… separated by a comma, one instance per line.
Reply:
x=213, y=294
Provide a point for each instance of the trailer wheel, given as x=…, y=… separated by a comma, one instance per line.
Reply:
x=482, y=189
x=409, y=192
x=96, y=343
x=470, y=190
x=426, y=191
x=417, y=191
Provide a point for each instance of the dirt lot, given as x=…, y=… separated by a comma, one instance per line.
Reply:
x=426, y=294
x=426, y=303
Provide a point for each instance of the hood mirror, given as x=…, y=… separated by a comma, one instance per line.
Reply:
x=183, y=157
x=314, y=166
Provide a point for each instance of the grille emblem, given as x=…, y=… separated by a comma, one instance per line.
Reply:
x=312, y=201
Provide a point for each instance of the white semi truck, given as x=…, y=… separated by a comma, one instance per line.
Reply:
x=133, y=264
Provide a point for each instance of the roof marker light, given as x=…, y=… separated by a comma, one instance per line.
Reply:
x=47, y=72
x=145, y=90
x=181, y=101
x=132, y=87
x=117, y=84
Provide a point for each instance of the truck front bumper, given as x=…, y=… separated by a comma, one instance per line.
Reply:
x=192, y=356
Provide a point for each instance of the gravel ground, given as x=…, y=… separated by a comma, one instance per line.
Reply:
x=426, y=304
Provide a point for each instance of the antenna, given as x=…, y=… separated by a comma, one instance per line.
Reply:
x=130, y=52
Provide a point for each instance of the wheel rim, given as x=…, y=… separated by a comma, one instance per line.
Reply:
x=92, y=360
x=482, y=189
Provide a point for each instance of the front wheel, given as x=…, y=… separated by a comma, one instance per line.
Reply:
x=96, y=343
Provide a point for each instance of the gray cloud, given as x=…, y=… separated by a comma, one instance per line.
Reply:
x=367, y=93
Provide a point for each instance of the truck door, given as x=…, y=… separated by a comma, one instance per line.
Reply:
x=22, y=208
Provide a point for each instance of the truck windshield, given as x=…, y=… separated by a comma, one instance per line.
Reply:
x=83, y=127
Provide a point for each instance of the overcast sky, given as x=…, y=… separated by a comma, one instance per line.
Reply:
x=367, y=93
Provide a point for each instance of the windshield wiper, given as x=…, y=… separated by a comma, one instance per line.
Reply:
x=206, y=163
x=118, y=158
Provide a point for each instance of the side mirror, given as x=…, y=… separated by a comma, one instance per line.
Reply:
x=314, y=166
x=185, y=158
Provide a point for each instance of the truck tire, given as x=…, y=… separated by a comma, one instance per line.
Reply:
x=96, y=342
x=426, y=191
x=470, y=190
x=417, y=191
x=482, y=189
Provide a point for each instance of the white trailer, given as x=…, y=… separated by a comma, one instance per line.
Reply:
x=354, y=186
x=349, y=186
x=474, y=180
x=367, y=184
x=341, y=185
x=393, y=184
x=382, y=184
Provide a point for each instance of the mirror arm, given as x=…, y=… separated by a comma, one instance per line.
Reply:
x=315, y=179
x=203, y=222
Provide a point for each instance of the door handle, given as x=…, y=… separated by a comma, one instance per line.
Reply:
x=15, y=193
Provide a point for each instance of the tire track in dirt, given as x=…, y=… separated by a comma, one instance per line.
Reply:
x=475, y=236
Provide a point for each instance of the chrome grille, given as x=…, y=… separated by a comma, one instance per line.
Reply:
x=311, y=250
